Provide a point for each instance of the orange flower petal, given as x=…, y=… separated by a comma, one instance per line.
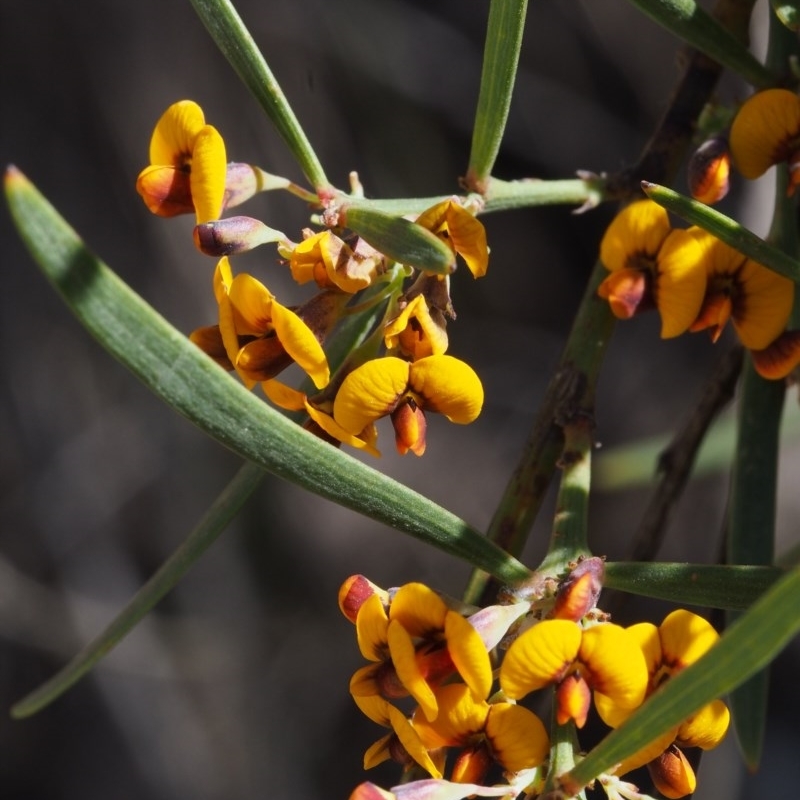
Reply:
x=681, y=280
x=761, y=313
x=405, y=663
x=779, y=358
x=684, y=638
x=208, y=173
x=706, y=728
x=372, y=626
x=418, y=609
x=175, y=132
x=459, y=718
x=301, y=344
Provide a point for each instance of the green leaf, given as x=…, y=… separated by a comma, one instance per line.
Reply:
x=708, y=585
x=214, y=522
x=191, y=383
x=236, y=44
x=746, y=647
x=500, y=58
x=401, y=240
x=724, y=228
x=689, y=22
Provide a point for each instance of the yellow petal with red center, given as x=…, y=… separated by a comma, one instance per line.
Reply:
x=404, y=660
x=284, y=396
x=208, y=173
x=614, y=664
x=449, y=386
x=372, y=626
x=541, y=655
x=469, y=654
x=706, y=728
x=365, y=441
x=252, y=302
x=761, y=313
x=637, y=232
x=370, y=392
x=517, y=737
x=460, y=717
x=418, y=609
x=411, y=742
x=684, y=638
x=466, y=235
x=765, y=131
x=301, y=344
x=173, y=138
x=779, y=358
x=681, y=279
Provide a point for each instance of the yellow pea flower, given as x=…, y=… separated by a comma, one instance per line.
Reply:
x=415, y=645
x=603, y=658
x=652, y=265
x=766, y=131
x=187, y=169
x=509, y=734
x=756, y=300
x=260, y=336
x=392, y=387
x=418, y=331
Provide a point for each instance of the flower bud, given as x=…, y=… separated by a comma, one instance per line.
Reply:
x=672, y=774
x=354, y=591
x=579, y=591
x=227, y=237
x=401, y=240
x=709, y=171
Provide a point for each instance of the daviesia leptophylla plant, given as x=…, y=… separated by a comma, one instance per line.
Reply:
x=492, y=695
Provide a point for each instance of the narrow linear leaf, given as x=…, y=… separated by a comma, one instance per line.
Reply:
x=192, y=384
x=724, y=228
x=709, y=585
x=215, y=520
x=235, y=42
x=689, y=22
x=500, y=58
x=746, y=647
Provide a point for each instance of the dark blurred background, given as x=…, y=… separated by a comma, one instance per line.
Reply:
x=236, y=687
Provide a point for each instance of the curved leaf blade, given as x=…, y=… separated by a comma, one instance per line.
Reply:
x=192, y=384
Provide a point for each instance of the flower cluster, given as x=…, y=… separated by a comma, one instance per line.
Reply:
x=396, y=366
x=696, y=282
x=765, y=132
x=457, y=722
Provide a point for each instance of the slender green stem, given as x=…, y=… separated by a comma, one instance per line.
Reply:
x=572, y=388
x=237, y=45
x=687, y=20
x=500, y=58
x=214, y=522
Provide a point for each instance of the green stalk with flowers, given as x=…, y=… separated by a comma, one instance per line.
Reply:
x=452, y=681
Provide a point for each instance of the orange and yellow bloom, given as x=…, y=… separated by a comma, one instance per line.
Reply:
x=393, y=387
x=188, y=167
x=652, y=265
